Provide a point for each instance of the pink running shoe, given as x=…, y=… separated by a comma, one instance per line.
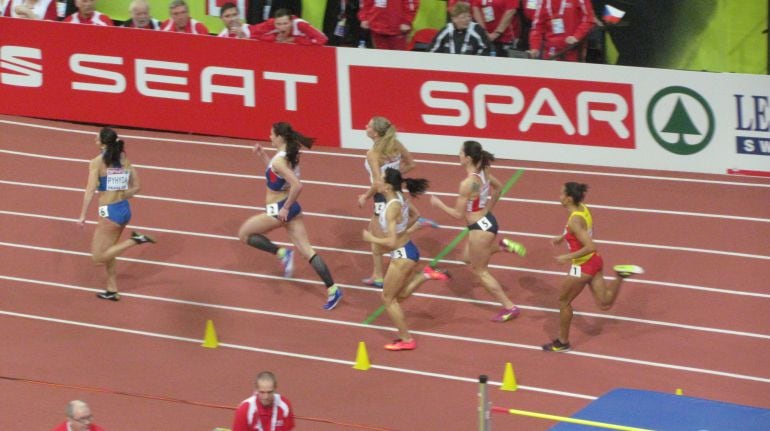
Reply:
x=507, y=314
x=435, y=274
x=401, y=345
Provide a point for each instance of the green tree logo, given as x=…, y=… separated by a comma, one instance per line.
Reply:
x=679, y=128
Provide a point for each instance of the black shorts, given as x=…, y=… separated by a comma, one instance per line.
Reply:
x=488, y=223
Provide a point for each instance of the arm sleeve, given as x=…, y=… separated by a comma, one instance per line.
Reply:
x=239, y=420
x=365, y=10
x=410, y=10
x=586, y=20
x=538, y=28
x=314, y=36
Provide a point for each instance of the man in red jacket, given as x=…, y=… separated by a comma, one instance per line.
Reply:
x=559, y=28
x=79, y=418
x=287, y=28
x=389, y=21
x=265, y=410
x=179, y=20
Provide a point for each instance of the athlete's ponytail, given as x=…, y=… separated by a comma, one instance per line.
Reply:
x=481, y=158
x=113, y=147
x=415, y=186
x=293, y=140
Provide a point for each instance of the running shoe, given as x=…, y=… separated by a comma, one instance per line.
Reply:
x=426, y=222
x=141, y=238
x=512, y=247
x=507, y=314
x=435, y=274
x=624, y=271
x=401, y=345
x=334, y=296
x=287, y=260
x=557, y=346
x=110, y=296
x=371, y=281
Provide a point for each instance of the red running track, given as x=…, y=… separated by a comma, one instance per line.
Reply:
x=699, y=319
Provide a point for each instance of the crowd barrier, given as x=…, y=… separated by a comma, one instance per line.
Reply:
x=520, y=109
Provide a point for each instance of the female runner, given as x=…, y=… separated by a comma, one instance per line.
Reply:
x=111, y=174
x=586, y=266
x=283, y=210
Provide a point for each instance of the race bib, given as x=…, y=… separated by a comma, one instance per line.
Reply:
x=104, y=211
x=117, y=179
x=557, y=25
x=574, y=271
x=399, y=253
x=379, y=207
x=272, y=209
x=484, y=223
x=489, y=14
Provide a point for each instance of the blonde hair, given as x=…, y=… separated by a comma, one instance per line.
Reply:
x=387, y=144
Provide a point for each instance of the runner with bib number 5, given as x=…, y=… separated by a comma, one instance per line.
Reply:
x=478, y=194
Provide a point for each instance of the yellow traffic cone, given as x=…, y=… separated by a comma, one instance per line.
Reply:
x=210, y=339
x=362, y=358
x=509, y=380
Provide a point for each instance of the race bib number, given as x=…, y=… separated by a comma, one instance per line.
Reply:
x=379, y=207
x=399, y=253
x=484, y=223
x=557, y=25
x=117, y=179
x=489, y=14
x=272, y=209
x=574, y=271
x=104, y=211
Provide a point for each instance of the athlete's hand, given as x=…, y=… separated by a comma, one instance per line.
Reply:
x=367, y=236
x=258, y=149
x=434, y=201
x=81, y=222
x=361, y=200
x=283, y=214
x=557, y=240
x=563, y=259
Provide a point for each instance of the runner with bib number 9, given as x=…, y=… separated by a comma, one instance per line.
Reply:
x=478, y=194
x=111, y=174
x=283, y=210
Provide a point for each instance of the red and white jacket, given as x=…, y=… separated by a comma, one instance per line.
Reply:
x=578, y=20
x=386, y=16
x=251, y=415
x=301, y=30
x=97, y=18
x=45, y=9
x=193, y=27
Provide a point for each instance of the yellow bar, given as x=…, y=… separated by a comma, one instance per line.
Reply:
x=575, y=421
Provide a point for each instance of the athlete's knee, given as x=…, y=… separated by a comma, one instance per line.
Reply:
x=99, y=258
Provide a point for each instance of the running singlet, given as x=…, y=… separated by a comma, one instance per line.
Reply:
x=400, y=224
x=572, y=242
x=116, y=179
x=481, y=200
x=274, y=181
x=394, y=162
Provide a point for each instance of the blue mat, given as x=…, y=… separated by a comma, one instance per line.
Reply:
x=668, y=412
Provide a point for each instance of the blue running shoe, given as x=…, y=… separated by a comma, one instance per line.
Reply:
x=335, y=295
x=288, y=263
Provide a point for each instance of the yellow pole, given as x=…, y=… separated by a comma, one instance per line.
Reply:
x=575, y=421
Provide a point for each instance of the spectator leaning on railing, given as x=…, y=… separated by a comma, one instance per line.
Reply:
x=231, y=18
x=287, y=28
x=140, y=16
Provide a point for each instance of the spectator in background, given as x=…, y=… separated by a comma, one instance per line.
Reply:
x=231, y=18
x=560, y=28
x=30, y=9
x=265, y=409
x=179, y=20
x=79, y=418
x=262, y=10
x=287, y=28
x=461, y=35
x=522, y=23
x=389, y=21
x=140, y=16
x=341, y=24
x=87, y=14
x=496, y=16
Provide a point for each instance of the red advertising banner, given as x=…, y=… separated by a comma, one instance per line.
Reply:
x=167, y=81
x=516, y=108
